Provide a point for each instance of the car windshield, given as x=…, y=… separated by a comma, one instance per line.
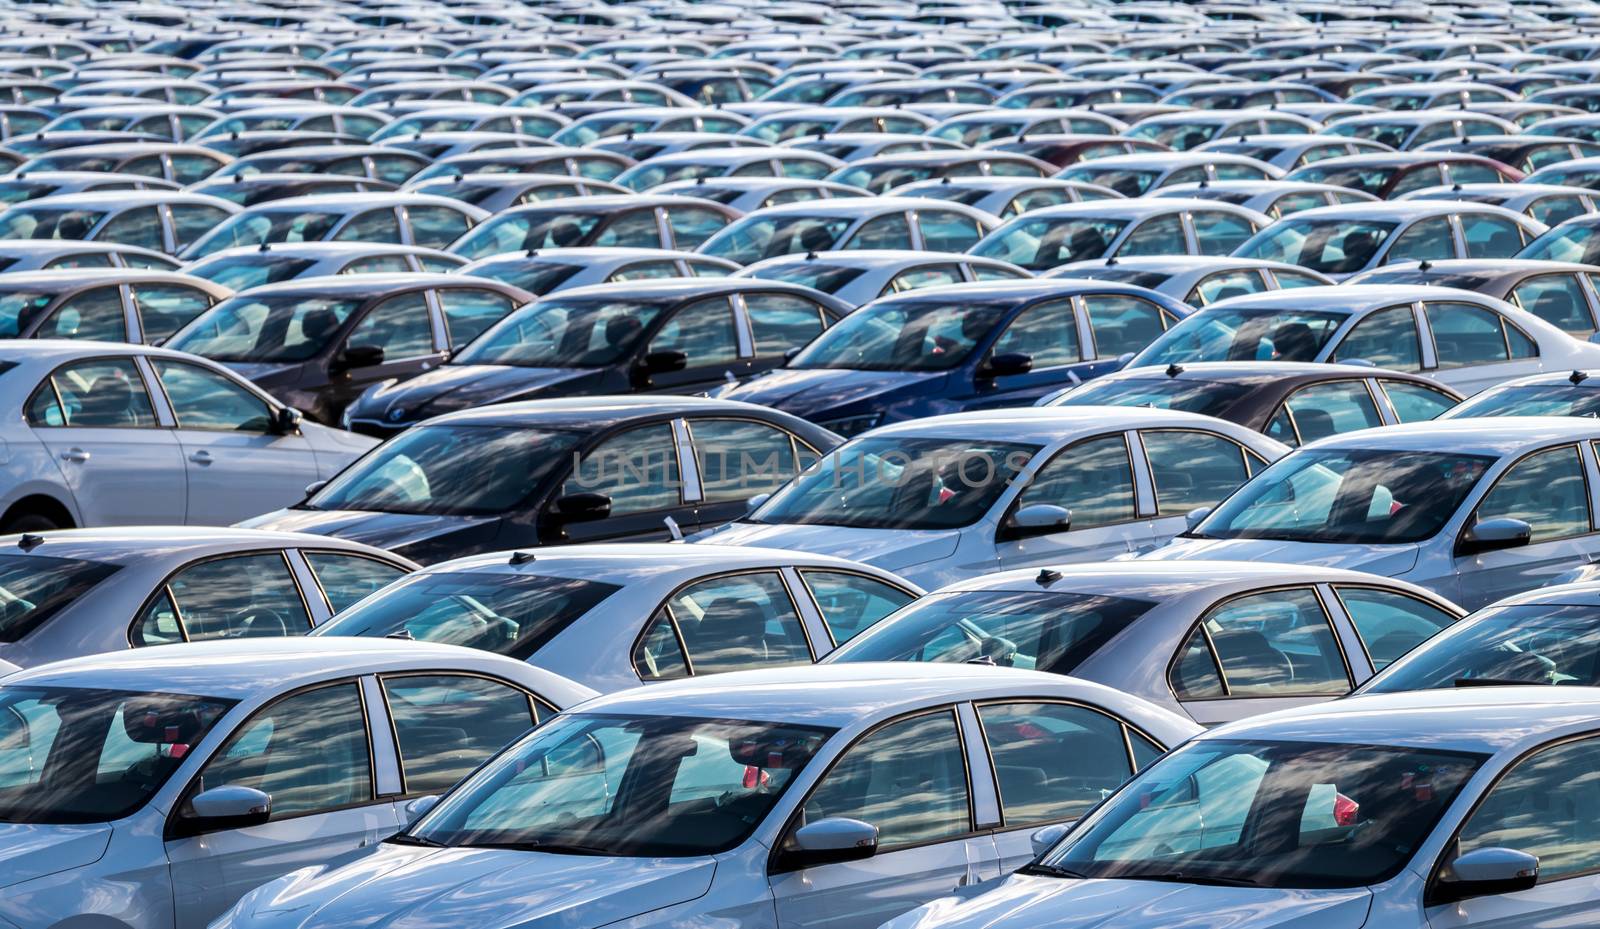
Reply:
x=1530, y=643
x=1036, y=630
x=449, y=470
x=533, y=275
x=242, y=272
x=1268, y=814
x=899, y=482
x=1129, y=182
x=564, y=333
x=1531, y=400
x=531, y=229
x=904, y=335
x=1369, y=179
x=1210, y=398
x=1349, y=496
x=285, y=328
x=511, y=614
x=634, y=786
x=1042, y=244
x=756, y=237
x=1573, y=242
x=44, y=223
x=34, y=587
x=815, y=274
x=1326, y=245
x=258, y=226
x=79, y=755
x=1223, y=334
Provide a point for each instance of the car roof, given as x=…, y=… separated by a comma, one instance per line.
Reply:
x=133, y=544
x=1258, y=371
x=626, y=563
x=1136, y=208
x=1044, y=425
x=1499, y=436
x=595, y=413
x=1402, y=210
x=1160, y=580
x=1348, y=298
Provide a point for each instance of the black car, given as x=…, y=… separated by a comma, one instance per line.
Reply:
x=555, y=471
x=1292, y=402
x=674, y=335
x=317, y=343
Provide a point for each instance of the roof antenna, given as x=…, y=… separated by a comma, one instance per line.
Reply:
x=1576, y=377
x=521, y=557
x=1174, y=369
x=32, y=540
x=1047, y=577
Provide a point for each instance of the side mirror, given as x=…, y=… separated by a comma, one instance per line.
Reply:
x=1195, y=517
x=1037, y=519
x=754, y=503
x=1123, y=359
x=420, y=806
x=1047, y=838
x=1485, y=871
x=286, y=420
x=1006, y=363
x=788, y=355
x=665, y=362
x=358, y=356
x=830, y=841
x=315, y=486
x=229, y=807
x=582, y=507
x=1491, y=535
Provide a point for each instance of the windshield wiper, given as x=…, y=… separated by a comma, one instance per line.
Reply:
x=1048, y=870
x=406, y=838
x=1180, y=877
x=1492, y=682
x=554, y=848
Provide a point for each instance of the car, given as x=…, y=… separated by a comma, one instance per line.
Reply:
x=1215, y=641
x=1342, y=241
x=1140, y=174
x=1555, y=291
x=849, y=223
x=1552, y=394
x=269, y=263
x=223, y=765
x=742, y=161
x=1526, y=153
x=32, y=186
x=386, y=217
x=858, y=277
x=1547, y=203
x=179, y=162
x=247, y=190
x=318, y=342
x=497, y=192
x=1292, y=402
x=1289, y=151
x=1387, y=175
x=377, y=162
x=160, y=220
x=979, y=346
x=1197, y=280
x=882, y=173
x=576, y=470
x=1274, y=198
x=676, y=335
x=87, y=591
x=102, y=304
x=603, y=221
x=17, y=255
x=875, y=754
x=1005, y=197
x=674, y=611
x=945, y=498
x=1427, y=807
x=1406, y=130
x=1047, y=238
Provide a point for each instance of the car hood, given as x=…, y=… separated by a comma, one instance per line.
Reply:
x=812, y=392
x=399, y=887
x=385, y=530
x=1387, y=560
x=890, y=549
x=29, y=851
x=1025, y=902
x=449, y=388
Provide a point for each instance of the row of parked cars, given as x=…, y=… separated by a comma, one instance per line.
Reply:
x=512, y=466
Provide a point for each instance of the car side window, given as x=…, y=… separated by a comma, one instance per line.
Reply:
x=344, y=579
x=1558, y=300
x=395, y=169
x=1470, y=172
x=188, y=168
x=308, y=751
x=1092, y=479
x=447, y=724
x=1556, y=209
x=780, y=322
x=1386, y=338
x=85, y=260
x=166, y=308
x=1219, y=233
x=1424, y=176
x=1321, y=410
x=907, y=777
x=637, y=469
x=645, y=270
x=891, y=231
x=703, y=331
x=245, y=596
x=1390, y=623
x=947, y=230
x=1276, y=643
x=106, y=394
x=468, y=312
x=1045, y=332
x=94, y=314
x=693, y=225
x=204, y=399
x=1294, y=203
x=436, y=226
x=851, y=603
x=1415, y=402
x=1426, y=240
x=399, y=325
x=1192, y=469
x=1053, y=761
x=1123, y=324
x=377, y=264
x=1467, y=335
x=732, y=623
x=1161, y=235
x=741, y=458
x=1490, y=236
x=631, y=229
x=1225, y=285
x=928, y=276
x=1542, y=807
x=1546, y=490
x=372, y=226
x=190, y=221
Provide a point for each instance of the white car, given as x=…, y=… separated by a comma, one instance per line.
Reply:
x=151, y=789
x=815, y=797
x=1472, y=509
x=84, y=591
x=945, y=498
x=1215, y=640
x=106, y=434
x=1427, y=810
x=665, y=611
x=1460, y=338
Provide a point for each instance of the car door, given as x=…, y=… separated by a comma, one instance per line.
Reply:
x=640, y=471
x=342, y=578
x=1476, y=347
x=1219, y=233
x=468, y=312
x=97, y=314
x=1549, y=490
x=733, y=622
x=705, y=334
x=1386, y=338
x=909, y=778
x=445, y=725
x=95, y=417
x=311, y=752
x=1559, y=300
x=1047, y=335
x=402, y=326
x=1322, y=410
x=1389, y=623
x=1189, y=470
x=737, y=459
x=237, y=464
x=1093, y=481
x=165, y=308
x=248, y=595
x=1258, y=652
x=779, y=324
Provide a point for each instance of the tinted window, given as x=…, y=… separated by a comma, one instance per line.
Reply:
x=946, y=231
x=732, y=623
x=467, y=313
x=371, y=226
x=1052, y=761
x=1545, y=490
x=692, y=225
x=1414, y=402
x=204, y=399
x=1192, y=469
x=1218, y=233
x=780, y=322
x=1047, y=333
x=1092, y=479
x=1558, y=300
x=35, y=587
x=1122, y=324
x=891, y=231
x=851, y=603
x=1427, y=240
x=1162, y=235
x=399, y=325
x=741, y=458
x=1390, y=624
x=96, y=314
x=1490, y=236
x=226, y=598
x=1225, y=285
x=436, y=226
x=1466, y=335
x=446, y=725
x=1543, y=806
x=141, y=227
x=345, y=579
x=637, y=469
x=1386, y=338
x=166, y=308
x=703, y=331
x=1276, y=643
x=93, y=394
x=1322, y=410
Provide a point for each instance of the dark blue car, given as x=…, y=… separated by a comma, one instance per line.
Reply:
x=964, y=347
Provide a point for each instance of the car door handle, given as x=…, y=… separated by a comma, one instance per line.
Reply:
x=201, y=457
x=74, y=454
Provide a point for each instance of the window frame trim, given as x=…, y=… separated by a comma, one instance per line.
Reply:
x=1216, y=659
